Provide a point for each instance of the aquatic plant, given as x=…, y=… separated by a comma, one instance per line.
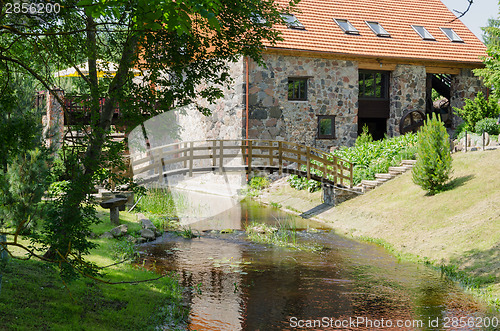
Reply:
x=186, y=233
x=284, y=235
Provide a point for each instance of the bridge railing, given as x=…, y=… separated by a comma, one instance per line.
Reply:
x=247, y=154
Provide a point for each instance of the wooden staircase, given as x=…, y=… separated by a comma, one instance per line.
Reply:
x=367, y=185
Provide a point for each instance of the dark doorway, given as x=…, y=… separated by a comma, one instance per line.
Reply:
x=377, y=127
x=374, y=105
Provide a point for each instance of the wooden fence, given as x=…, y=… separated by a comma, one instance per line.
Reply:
x=237, y=155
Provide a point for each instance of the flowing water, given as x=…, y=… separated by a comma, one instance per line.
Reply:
x=235, y=284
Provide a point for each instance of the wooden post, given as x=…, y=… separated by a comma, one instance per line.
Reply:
x=191, y=159
x=185, y=155
x=280, y=157
x=249, y=156
x=308, y=152
x=352, y=176
x=214, y=161
x=221, y=156
x=271, y=152
x=160, y=165
x=466, y=141
x=335, y=169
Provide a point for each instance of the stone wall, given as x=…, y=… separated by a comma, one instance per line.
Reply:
x=464, y=86
x=406, y=92
x=226, y=120
x=332, y=90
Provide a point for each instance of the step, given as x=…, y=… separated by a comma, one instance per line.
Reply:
x=408, y=162
x=397, y=170
x=381, y=180
x=384, y=176
x=370, y=183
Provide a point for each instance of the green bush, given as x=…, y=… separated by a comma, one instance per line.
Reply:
x=487, y=125
x=259, y=183
x=433, y=166
x=365, y=137
x=476, y=110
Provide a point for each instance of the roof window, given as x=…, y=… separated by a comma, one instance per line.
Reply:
x=452, y=35
x=346, y=26
x=378, y=29
x=292, y=22
x=422, y=32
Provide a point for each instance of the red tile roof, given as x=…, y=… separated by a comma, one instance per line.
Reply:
x=322, y=34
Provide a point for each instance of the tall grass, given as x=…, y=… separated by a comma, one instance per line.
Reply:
x=162, y=206
x=284, y=235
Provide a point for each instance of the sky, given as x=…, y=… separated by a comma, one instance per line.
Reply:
x=478, y=14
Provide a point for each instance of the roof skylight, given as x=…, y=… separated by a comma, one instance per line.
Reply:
x=452, y=35
x=378, y=29
x=346, y=26
x=422, y=32
x=292, y=22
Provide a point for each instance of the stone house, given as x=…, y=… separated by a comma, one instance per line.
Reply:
x=344, y=64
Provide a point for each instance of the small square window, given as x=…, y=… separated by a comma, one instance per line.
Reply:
x=346, y=26
x=452, y=35
x=326, y=127
x=422, y=32
x=297, y=89
x=378, y=29
x=292, y=22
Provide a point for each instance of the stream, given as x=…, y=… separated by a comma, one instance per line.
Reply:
x=236, y=284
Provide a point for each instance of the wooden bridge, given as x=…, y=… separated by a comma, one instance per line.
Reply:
x=241, y=155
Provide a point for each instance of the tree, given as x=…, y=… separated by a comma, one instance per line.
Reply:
x=176, y=44
x=475, y=110
x=433, y=166
x=491, y=34
x=491, y=72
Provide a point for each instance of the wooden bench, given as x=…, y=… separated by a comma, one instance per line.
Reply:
x=114, y=208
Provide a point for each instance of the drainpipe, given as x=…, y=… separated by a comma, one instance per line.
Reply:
x=247, y=81
x=246, y=98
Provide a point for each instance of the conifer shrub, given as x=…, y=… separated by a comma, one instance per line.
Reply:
x=433, y=167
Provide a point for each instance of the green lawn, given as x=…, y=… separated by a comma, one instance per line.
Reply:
x=33, y=297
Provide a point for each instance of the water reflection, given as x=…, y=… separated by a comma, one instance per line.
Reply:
x=238, y=285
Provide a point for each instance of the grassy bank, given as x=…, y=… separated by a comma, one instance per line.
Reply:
x=33, y=297
x=458, y=229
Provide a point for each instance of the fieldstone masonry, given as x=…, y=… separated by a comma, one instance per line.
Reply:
x=406, y=93
x=332, y=90
x=464, y=86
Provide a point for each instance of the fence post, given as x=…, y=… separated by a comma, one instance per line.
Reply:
x=280, y=157
x=191, y=159
x=466, y=140
x=249, y=156
x=185, y=155
x=483, y=139
x=221, y=156
x=160, y=165
x=214, y=160
x=308, y=152
x=352, y=176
